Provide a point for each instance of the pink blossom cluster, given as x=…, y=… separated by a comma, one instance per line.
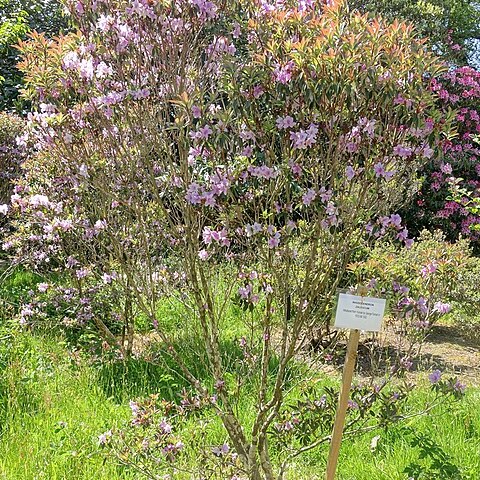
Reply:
x=459, y=89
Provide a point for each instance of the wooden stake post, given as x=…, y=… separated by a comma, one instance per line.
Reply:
x=369, y=316
x=337, y=434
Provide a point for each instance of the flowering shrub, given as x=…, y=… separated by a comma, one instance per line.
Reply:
x=162, y=436
x=424, y=283
x=434, y=206
x=196, y=155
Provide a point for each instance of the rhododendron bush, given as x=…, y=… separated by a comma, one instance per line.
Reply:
x=458, y=90
x=210, y=154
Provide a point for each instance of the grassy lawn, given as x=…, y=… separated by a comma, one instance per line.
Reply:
x=53, y=407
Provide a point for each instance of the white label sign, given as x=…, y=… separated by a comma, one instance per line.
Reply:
x=360, y=313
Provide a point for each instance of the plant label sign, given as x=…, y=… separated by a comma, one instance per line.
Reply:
x=359, y=313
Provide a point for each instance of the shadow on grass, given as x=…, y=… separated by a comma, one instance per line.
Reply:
x=432, y=462
x=157, y=372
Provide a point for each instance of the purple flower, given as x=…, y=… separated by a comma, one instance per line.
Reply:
x=236, y=30
x=274, y=241
x=309, y=196
x=43, y=287
x=251, y=230
x=402, y=151
x=422, y=305
x=39, y=201
x=247, y=151
x=165, y=427
x=442, y=308
x=263, y=172
x=406, y=363
x=379, y=170
x=204, y=132
x=403, y=235
x=350, y=172
x=435, y=377
x=196, y=112
x=207, y=9
x=109, y=277
x=258, y=91
x=104, y=437
x=396, y=220
x=285, y=122
x=288, y=426
x=82, y=273
x=221, y=450
x=429, y=269
x=283, y=74
x=459, y=387
x=295, y=167
x=427, y=151
x=304, y=138
x=193, y=196
x=245, y=292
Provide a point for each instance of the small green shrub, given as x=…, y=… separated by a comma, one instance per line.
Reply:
x=429, y=280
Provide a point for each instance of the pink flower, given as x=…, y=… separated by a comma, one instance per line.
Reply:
x=258, y=91
x=283, y=74
x=285, y=122
x=309, y=196
x=203, y=254
x=446, y=168
x=274, y=241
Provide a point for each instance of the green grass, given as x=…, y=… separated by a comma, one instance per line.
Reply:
x=53, y=408
x=52, y=416
x=55, y=404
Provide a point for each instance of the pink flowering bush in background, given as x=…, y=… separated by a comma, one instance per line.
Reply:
x=458, y=93
x=217, y=156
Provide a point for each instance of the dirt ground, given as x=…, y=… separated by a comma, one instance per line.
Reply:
x=446, y=349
